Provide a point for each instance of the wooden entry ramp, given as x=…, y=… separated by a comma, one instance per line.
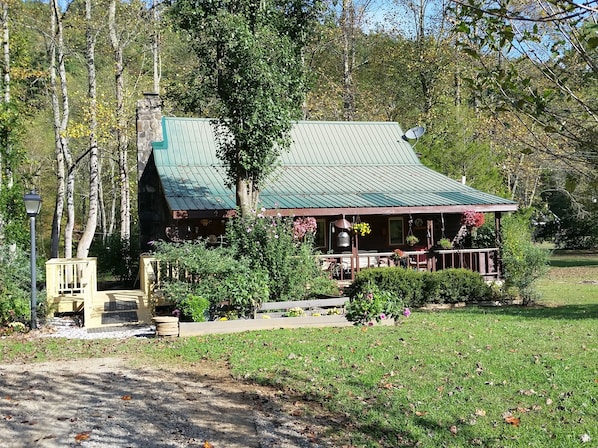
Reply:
x=114, y=308
x=71, y=286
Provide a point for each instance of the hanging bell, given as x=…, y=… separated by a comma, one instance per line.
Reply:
x=343, y=239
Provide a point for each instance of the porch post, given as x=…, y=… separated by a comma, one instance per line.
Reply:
x=498, y=242
x=431, y=242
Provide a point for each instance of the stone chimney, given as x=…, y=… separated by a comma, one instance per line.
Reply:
x=149, y=128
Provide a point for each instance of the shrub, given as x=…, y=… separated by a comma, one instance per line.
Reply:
x=191, y=269
x=460, y=285
x=523, y=261
x=196, y=307
x=369, y=303
x=118, y=257
x=415, y=288
x=15, y=285
x=406, y=284
x=284, y=250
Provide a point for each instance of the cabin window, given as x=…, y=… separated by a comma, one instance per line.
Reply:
x=320, y=236
x=395, y=231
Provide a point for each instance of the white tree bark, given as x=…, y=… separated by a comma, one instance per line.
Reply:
x=121, y=124
x=94, y=178
x=60, y=112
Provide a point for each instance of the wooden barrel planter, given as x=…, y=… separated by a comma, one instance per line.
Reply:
x=166, y=325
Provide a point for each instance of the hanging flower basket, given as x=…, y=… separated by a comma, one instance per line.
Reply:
x=411, y=240
x=361, y=228
x=445, y=243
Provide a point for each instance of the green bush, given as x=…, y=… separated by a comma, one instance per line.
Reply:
x=406, y=284
x=273, y=244
x=196, y=307
x=415, y=289
x=460, y=285
x=117, y=257
x=15, y=285
x=523, y=261
x=370, y=303
x=191, y=269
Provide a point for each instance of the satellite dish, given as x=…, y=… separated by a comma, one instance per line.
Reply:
x=414, y=133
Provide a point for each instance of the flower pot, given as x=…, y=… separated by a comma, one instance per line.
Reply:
x=166, y=325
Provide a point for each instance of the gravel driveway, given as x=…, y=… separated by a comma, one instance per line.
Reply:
x=106, y=403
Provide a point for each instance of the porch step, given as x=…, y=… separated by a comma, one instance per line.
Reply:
x=114, y=308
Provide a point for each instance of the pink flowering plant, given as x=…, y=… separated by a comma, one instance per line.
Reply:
x=303, y=227
x=472, y=219
x=372, y=304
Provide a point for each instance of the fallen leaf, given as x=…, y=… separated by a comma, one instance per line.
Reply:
x=511, y=420
x=420, y=413
x=480, y=412
x=207, y=444
x=8, y=417
x=83, y=436
x=453, y=429
x=126, y=397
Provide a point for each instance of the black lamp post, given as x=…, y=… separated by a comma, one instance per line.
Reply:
x=33, y=203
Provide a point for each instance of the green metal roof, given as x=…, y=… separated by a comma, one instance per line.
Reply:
x=360, y=167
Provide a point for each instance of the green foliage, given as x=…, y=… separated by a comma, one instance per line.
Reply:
x=216, y=274
x=458, y=285
x=196, y=307
x=571, y=224
x=268, y=243
x=117, y=257
x=251, y=55
x=484, y=237
x=369, y=303
x=13, y=219
x=416, y=288
x=523, y=261
x=15, y=285
x=407, y=284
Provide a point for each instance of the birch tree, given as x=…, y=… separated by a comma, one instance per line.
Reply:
x=94, y=170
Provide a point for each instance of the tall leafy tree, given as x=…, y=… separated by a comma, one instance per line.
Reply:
x=539, y=60
x=250, y=54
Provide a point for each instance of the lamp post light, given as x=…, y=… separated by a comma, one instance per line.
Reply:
x=33, y=203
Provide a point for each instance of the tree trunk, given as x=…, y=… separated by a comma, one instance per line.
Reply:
x=60, y=112
x=156, y=47
x=6, y=52
x=94, y=179
x=348, y=29
x=121, y=124
x=247, y=196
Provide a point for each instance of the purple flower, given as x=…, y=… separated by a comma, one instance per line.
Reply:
x=406, y=312
x=176, y=313
x=382, y=316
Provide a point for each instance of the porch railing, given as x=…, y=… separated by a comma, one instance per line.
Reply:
x=72, y=280
x=342, y=267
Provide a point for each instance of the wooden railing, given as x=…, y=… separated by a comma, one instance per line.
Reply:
x=342, y=267
x=72, y=280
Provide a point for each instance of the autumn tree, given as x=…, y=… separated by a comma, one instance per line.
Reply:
x=250, y=56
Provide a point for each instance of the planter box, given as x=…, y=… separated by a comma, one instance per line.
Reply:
x=240, y=325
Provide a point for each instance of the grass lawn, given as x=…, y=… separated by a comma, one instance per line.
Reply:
x=490, y=377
